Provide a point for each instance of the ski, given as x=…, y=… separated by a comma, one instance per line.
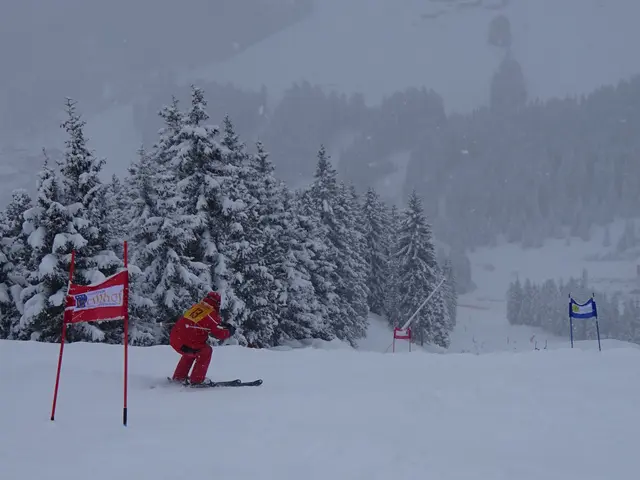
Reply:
x=212, y=384
x=223, y=383
x=229, y=383
x=252, y=383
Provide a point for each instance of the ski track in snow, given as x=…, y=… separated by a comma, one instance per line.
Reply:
x=332, y=412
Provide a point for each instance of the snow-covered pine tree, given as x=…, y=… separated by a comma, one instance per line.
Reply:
x=418, y=276
x=14, y=214
x=178, y=193
x=238, y=240
x=143, y=210
x=8, y=312
x=392, y=292
x=527, y=306
x=537, y=302
x=328, y=201
x=354, y=240
x=14, y=258
x=281, y=277
x=375, y=223
x=80, y=168
x=52, y=236
x=196, y=162
x=615, y=326
x=547, y=300
x=264, y=289
x=84, y=196
x=316, y=258
x=304, y=314
x=560, y=321
x=14, y=219
x=116, y=205
x=514, y=302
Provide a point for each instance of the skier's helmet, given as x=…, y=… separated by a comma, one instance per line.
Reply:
x=213, y=299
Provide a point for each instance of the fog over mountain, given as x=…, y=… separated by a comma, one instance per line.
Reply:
x=103, y=52
x=122, y=61
x=377, y=47
x=108, y=55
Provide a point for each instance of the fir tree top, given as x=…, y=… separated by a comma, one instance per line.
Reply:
x=80, y=168
x=230, y=138
x=13, y=218
x=415, y=239
x=324, y=189
x=198, y=112
x=263, y=164
x=325, y=173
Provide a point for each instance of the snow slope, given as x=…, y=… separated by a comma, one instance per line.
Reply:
x=377, y=47
x=320, y=415
x=482, y=326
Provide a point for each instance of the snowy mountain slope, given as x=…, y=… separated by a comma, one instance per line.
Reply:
x=319, y=415
x=482, y=326
x=380, y=46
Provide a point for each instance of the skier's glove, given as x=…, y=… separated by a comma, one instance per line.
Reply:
x=229, y=327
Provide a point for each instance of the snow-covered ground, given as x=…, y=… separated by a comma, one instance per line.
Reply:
x=557, y=414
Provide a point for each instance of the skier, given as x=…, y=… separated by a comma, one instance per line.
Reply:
x=189, y=338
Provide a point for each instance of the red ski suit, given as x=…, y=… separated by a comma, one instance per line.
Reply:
x=189, y=338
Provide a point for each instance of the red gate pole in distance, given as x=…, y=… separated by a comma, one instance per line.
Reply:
x=62, y=336
x=126, y=338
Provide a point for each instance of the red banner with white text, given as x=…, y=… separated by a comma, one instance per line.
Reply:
x=94, y=303
x=402, y=334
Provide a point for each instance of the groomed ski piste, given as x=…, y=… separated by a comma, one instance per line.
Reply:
x=501, y=410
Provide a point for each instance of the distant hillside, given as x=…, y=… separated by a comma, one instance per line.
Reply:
x=378, y=47
x=103, y=51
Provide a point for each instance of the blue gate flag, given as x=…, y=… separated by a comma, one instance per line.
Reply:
x=582, y=310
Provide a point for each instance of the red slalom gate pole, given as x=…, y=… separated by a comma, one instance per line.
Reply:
x=55, y=392
x=126, y=337
x=62, y=337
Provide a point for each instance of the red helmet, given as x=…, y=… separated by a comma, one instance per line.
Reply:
x=213, y=299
